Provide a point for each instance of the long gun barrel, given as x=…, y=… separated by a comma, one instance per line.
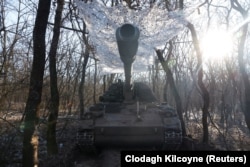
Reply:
x=127, y=40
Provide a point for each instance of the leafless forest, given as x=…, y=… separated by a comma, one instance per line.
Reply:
x=50, y=74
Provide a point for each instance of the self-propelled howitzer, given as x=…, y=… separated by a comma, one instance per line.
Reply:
x=128, y=114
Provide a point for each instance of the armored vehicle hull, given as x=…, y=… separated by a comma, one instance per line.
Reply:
x=131, y=126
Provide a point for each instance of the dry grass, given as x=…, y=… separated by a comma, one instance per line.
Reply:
x=232, y=135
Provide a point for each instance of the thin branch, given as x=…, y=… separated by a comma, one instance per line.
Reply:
x=236, y=5
x=69, y=28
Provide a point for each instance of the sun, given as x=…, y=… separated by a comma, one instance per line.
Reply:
x=216, y=45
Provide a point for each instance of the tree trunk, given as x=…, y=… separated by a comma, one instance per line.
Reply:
x=95, y=78
x=165, y=91
x=54, y=102
x=30, y=138
x=236, y=5
x=173, y=88
x=156, y=78
x=104, y=83
x=205, y=93
x=153, y=79
x=244, y=75
x=82, y=82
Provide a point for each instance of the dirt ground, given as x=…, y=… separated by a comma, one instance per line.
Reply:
x=70, y=155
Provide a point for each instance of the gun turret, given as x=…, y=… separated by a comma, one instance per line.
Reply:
x=127, y=40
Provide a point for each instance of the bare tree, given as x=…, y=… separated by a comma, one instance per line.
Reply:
x=81, y=86
x=30, y=139
x=54, y=102
x=172, y=85
x=241, y=46
x=10, y=41
x=205, y=93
